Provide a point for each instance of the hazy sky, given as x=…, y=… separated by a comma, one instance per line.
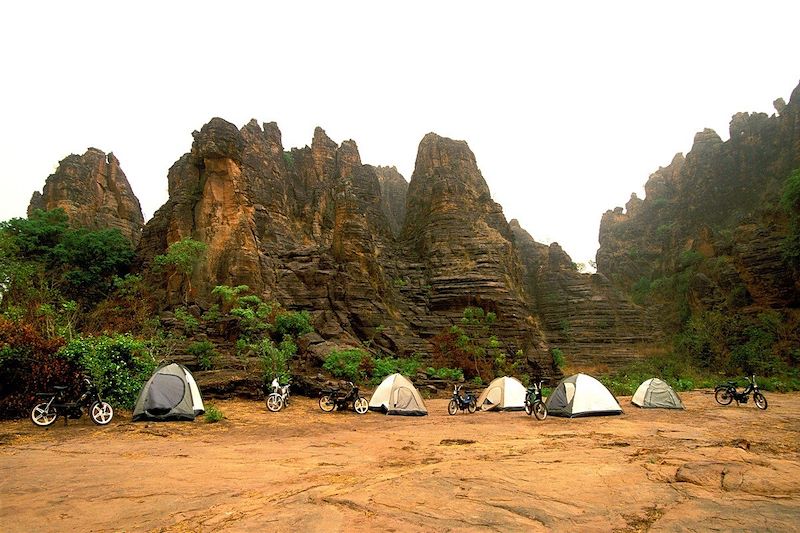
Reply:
x=568, y=106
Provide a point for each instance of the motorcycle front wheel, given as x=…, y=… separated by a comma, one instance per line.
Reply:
x=723, y=397
x=528, y=410
x=760, y=401
x=472, y=407
x=274, y=402
x=539, y=410
x=101, y=413
x=452, y=407
x=361, y=405
x=326, y=404
x=42, y=416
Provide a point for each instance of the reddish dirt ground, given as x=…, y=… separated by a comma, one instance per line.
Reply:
x=703, y=469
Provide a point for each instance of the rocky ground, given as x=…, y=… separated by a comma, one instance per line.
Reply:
x=707, y=468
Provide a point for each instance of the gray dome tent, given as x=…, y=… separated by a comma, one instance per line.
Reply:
x=655, y=393
x=170, y=394
x=581, y=395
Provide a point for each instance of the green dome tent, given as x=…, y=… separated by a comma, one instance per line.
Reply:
x=654, y=393
x=170, y=394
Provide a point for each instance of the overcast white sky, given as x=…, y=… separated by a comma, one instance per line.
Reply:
x=568, y=106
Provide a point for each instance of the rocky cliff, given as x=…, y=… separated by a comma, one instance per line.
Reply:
x=592, y=322
x=709, y=233
x=371, y=256
x=94, y=192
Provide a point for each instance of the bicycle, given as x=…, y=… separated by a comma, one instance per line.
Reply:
x=726, y=392
x=279, y=398
x=533, y=401
x=463, y=403
x=338, y=399
x=46, y=413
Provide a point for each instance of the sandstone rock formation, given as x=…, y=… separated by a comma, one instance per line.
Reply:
x=94, y=192
x=593, y=323
x=711, y=220
x=316, y=229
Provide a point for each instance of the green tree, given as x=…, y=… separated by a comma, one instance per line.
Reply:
x=790, y=201
x=181, y=259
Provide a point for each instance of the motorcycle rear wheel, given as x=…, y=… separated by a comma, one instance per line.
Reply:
x=42, y=416
x=361, y=405
x=274, y=402
x=539, y=410
x=472, y=407
x=327, y=404
x=452, y=407
x=760, y=401
x=101, y=413
x=723, y=397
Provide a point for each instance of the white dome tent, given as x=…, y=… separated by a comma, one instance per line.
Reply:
x=503, y=394
x=396, y=395
x=171, y=393
x=581, y=395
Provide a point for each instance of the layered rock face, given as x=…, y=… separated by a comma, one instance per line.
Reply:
x=713, y=218
x=94, y=193
x=371, y=256
x=593, y=323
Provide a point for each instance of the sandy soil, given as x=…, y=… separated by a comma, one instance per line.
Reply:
x=707, y=468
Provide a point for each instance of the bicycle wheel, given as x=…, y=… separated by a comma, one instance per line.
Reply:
x=101, y=413
x=452, y=407
x=327, y=404
x=274, y=402
x=539, y=410
x=723, y=397
x=472, y=407
x=42, y=416
x=760, y=401
x=361, y=405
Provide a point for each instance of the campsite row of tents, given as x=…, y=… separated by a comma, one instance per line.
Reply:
x=172, y=394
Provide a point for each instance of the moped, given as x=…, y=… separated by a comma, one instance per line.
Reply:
x=279, y=397
x=726, y=392
x=533, y=401
x=339, y=399
x=45, y=414
x=463, y=403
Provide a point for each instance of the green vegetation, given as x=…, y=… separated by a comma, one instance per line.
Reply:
x=119, y=365
x=275, y=359
x=790, y=202
x=181, y=259
x=346, y=364
x=204, y=353
x=213, y=414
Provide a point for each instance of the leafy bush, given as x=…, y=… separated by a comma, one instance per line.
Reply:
x=29, y=363
x=204, y=353
x=294, y=323
x=451, y=374
x=119, y=365
x=213, y=414
x=190, y=323
x=790, y=202
x=558, y=359
x=346, y=364
x=275, y=359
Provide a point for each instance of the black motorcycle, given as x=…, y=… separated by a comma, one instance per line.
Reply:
x=533, y=401
x=461, y=403
x=340, y=399
x=46, y=413
x=726, y=392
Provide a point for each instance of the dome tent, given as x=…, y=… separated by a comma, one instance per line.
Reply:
x=581, y=395
x=396, y=395
x=171, y=393
x=503, y=394
x=654, y=393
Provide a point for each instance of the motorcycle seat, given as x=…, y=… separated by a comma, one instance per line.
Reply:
x=60, y=387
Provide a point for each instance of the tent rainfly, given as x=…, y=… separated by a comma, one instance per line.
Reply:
x=170, y=394
x=503, y=394
x=396, y=395
x=581, y=395
x=656, y=393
